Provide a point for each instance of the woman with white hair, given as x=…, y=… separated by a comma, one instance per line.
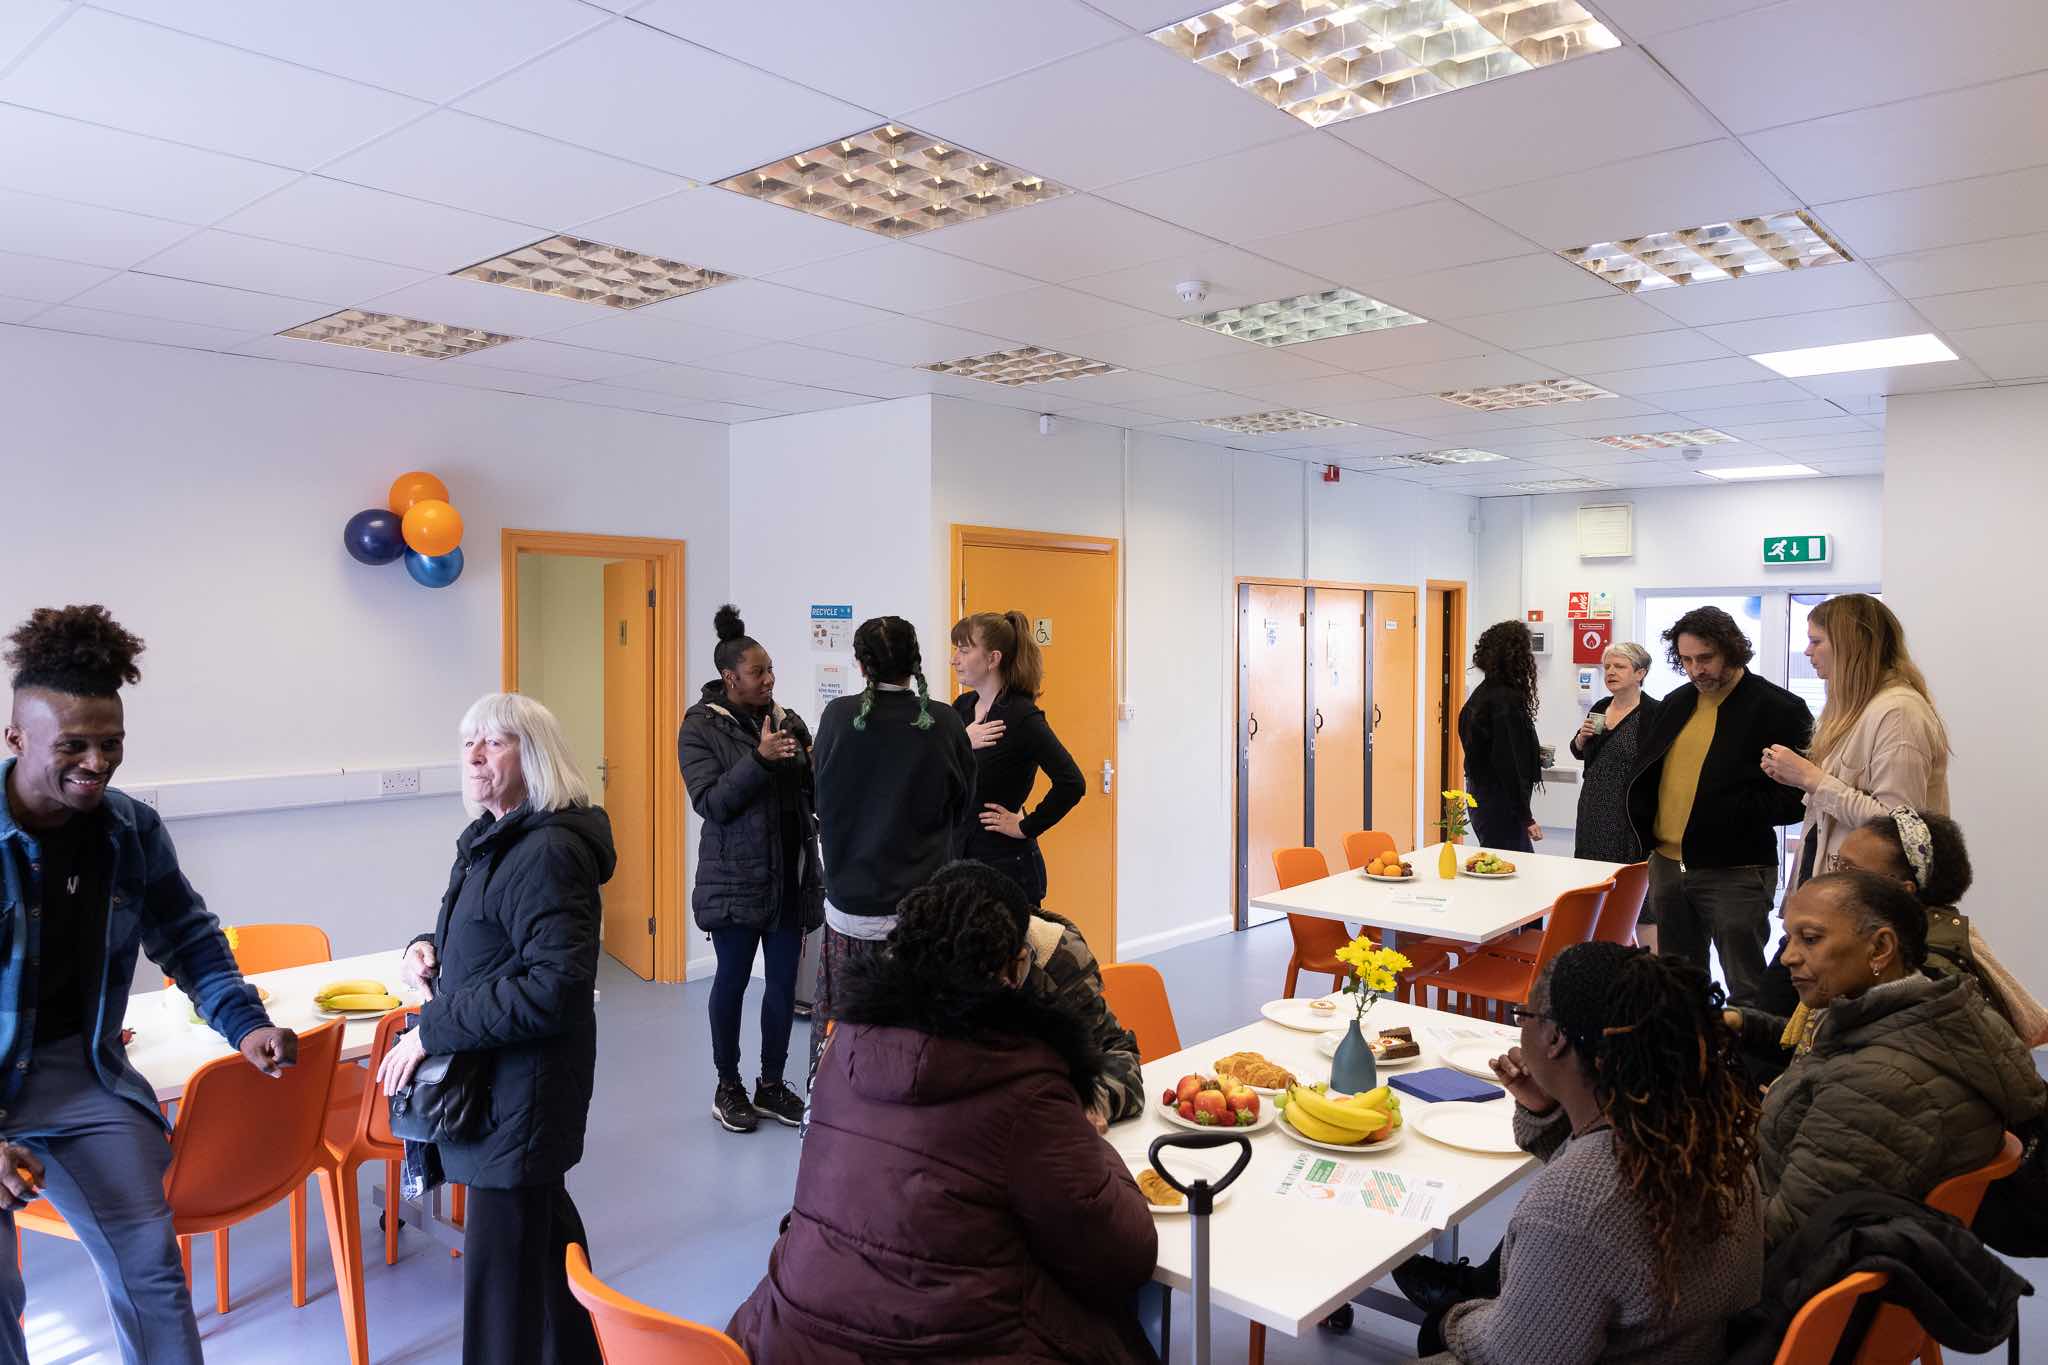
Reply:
x=510, y=971
x=1606, y=742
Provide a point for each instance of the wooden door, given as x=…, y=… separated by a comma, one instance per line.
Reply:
x=1070, y=596
x=1272, y=730
x=1392, y=630
x=1337, y=741
x=1443, y=695
x=626, y=773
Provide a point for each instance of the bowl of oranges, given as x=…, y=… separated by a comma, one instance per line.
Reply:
x=1388, y=867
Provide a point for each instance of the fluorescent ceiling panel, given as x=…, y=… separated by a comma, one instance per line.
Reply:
x=1305, y=317
x=1557, y=485
x=1764, y=471
x=895, y=182
x=591, y=272
x=1025, y=365
x=1667, y=440
x=1279, y=420
x=400, y=336
x=1715, y=251
x=1542, y=393
x=1922, y=349
x=1324, y=61
x=1458, y=455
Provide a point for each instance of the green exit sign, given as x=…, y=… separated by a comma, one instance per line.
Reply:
x=1797, y=550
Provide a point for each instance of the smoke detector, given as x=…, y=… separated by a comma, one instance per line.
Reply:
x=1192, y=291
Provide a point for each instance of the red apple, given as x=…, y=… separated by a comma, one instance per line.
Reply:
x=1246, y=1100
x=1213, y=1103
x=1189, y=1087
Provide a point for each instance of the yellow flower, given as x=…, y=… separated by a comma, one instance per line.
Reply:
x=234, y=939
x=1394, y=961
x=1356, y=954
x=1380, y=980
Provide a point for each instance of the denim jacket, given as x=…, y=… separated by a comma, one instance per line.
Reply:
x=149, y=904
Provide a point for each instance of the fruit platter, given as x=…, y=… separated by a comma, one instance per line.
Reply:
x=1484, y=864
x=1314, y=1115
x=1388, y=867
x=1204, y=1102
x=355, y=999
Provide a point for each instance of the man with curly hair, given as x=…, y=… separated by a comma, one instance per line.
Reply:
x=88, y=876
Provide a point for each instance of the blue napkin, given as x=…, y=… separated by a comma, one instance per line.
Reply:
x=1440, y=1083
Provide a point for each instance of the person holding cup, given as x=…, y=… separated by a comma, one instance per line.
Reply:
x=1606, y=743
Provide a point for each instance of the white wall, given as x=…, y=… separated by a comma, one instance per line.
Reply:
x=201, y=497
x=562, y=649
x=1964, y=489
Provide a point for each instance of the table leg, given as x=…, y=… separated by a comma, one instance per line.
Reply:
x=431, y=1218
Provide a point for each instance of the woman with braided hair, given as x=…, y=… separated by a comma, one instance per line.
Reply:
x=1640, y=1238
x=895, y=775
x=953, y=1202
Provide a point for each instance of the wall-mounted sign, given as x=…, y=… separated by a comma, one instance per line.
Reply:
x=1534, y=615
x=1603, y=604
x=831, y=683
x=831, y=627
x=1797, y=550
x=1578, y=605
x=1590, y=639
x=1041, y=631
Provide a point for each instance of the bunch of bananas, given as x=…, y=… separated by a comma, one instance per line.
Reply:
x=1355, y=1119
x=346, y=997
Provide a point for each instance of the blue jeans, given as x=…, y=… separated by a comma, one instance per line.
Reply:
x=780, y=948
x=104, y=1159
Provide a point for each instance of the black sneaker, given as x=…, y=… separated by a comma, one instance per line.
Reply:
x=775, y=1100
x=1434, y=1285
x=729, y=1106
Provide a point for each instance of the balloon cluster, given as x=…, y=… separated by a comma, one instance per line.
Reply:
x=418, y=524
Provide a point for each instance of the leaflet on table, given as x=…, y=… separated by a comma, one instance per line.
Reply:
x=1420, y=900
x=1445, y=1035
x=1355, y=1185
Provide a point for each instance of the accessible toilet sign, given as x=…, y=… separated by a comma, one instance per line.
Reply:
x=1807, y=549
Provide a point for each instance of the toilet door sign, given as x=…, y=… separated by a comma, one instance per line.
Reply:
x=1041, y=631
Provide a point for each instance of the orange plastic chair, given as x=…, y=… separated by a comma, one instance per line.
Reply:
x=1316, y=941
x=631, y=1333
x=1960, y=1196
x=1424, y=952
x=1498, y=980
x=1816, y=1330
x=1617, y=917
x=1136, y=993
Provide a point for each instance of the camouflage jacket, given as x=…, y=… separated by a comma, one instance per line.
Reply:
x=1067, y=972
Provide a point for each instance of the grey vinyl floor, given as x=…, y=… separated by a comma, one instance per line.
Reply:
x=680, y=1212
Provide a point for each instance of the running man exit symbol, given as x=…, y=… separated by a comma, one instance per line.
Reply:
x=1796, y=550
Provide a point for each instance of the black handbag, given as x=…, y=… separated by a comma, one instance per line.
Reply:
x=447, y=1100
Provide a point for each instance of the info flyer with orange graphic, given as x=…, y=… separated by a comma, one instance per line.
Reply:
x=1376, y=1189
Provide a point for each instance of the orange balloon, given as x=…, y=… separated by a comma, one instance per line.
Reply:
x=417, y=486
x=432, y=527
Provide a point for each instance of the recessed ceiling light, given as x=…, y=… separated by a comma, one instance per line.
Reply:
x=1457, y=455
x=1279, y=420
x=894, y=181
x=1025, y=365
x=1667, y=440
x=1556, y=485
x=400, y=336
x=1922, y=349
x=1715, y=251
x=1764, y=471
x=1542, y=393
x=1325, y=61
x=591, y=272
x=1305, y=317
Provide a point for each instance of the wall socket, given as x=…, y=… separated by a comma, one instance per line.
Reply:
x=399, y=782
x=146, y=795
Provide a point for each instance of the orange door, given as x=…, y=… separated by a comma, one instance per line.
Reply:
x=626, y=773
x=1443, y=694
x=1070, y=596
x=1392, y=631
x=1273, y=773
x=1336, y=643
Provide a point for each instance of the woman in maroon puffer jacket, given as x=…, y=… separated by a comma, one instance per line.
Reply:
x=953, y=1202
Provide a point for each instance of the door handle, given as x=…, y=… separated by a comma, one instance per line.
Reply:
x=1377, y=716
x=1108, y=772
x=1319, y=720
x=1253, y=733
x=604, y=773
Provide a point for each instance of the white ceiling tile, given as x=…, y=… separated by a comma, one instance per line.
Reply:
x=295, y=351
x=1450, y=427
x=1945, y=374
x=1056, y=121
x=2016, y=351
x=1102, y=415
x=884, y=58
x=133, y=327
x=694, y=384
x=1710, y=182
x=1046, y=311
x=1753, y=414
x=1598, y=417
x=1196, y=407
x=726, y=412
x=1691, y=400
x=604, y=395
x=21, y=310
x=1313, y=394
x=1235, y=278
x=908, y=341
x=773, y=312
x=644, y=95
x=551, y=358
x=1466, y=372
x=239, y=262
x=470, y=163
x=1146, y=15
x=1984, y=130
x=36, y=226
x=1493, y=287
x=1505, y=132
x=486, y=377
x=1149, y=345
x=38, y=277
x=1829, y=328
x=1309, y=180
x=1979, y=265
x=1668, y=379
x=157, y=296
x=1941, y=215
x=66, y=159
x=790, y=364
x=728, y=232
x=1395, y=414
x=352, y=220
x=1843, y=285
x=904, y=277
x=1827, y=56
x=198, y=92
x=492, y=307
x=1128, y=387
x=1854, y=443
x=1394, y=245
x=1594, y=319
x=447, y=47
x=1986, y=307
x=1391, y=346
x=1677, y=347
x=23, y=21
x=797, y=398
x=1257, y=365
x=1838, y=425
x=1066, y=239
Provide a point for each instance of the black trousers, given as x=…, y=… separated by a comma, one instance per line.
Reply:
x=516, y=1304
x=1494, y=821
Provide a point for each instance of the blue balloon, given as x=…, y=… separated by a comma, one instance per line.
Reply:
x=374, y=536
x=434, y=571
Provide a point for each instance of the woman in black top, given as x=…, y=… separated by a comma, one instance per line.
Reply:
x=998, y=663
x=1497, y=728
x=747, y=765
x=1608, y=747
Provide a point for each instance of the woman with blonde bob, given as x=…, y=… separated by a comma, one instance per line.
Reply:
x=510, y=971
x=1606, y=742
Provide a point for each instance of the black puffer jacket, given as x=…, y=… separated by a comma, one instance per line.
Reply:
x=740, y=872
x=518, y=941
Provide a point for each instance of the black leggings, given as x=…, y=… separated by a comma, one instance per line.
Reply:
x=780, y=948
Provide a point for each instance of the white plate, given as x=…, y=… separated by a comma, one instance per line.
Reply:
x=1327, y=1045
x=1375, y=877
x=1356, y=1148
x=1473, y=1055
x=1172, y=1116
x=1484, y=1127
x=1296, y=1014
x=1187, y=1167
x=1488, y=876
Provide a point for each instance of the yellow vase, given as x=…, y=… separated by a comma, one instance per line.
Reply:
x=1447, y=861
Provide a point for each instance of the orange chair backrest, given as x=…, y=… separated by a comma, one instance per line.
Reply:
x=244, y=1140
x=373, y=1119
x=1361, y=844
x=1136, y=994
x=1624, y=905
x=631, y=1333
x=273, y=947
x=1817, y=1328
x=1960, y=1196
x=1293, y=866
x=1571, y=921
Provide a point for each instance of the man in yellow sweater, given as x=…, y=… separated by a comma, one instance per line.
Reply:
x=1702, y=803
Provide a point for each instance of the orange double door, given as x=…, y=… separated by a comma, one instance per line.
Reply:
x=1326, y=722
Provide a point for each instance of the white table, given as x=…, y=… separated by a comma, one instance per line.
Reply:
x=1480, y=908
x=1283, y=1261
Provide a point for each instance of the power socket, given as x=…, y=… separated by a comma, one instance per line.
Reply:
x=146, y=795
x=399, y=782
